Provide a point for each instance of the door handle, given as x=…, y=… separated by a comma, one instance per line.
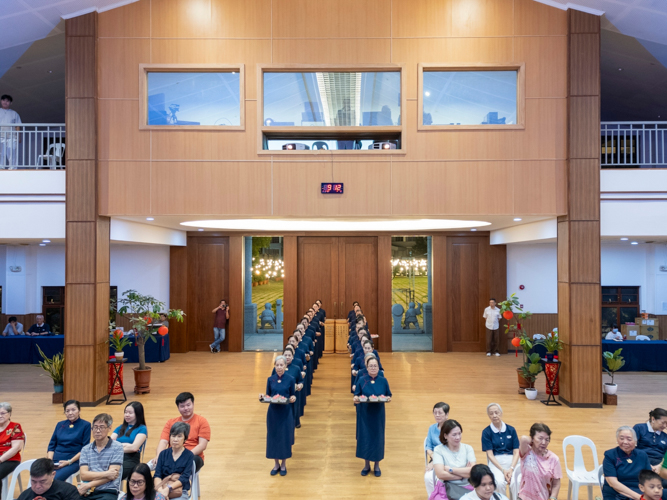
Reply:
x=335, y=310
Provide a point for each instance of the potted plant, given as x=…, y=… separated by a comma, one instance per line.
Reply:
x=531, y=392
x=54, y=368
x=119, y=342
x=614, y=362
x=551, y=344
x=511, y=310
x=142, y=311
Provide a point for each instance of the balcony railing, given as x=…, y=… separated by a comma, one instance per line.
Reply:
x=32, y=146
x=633, y=145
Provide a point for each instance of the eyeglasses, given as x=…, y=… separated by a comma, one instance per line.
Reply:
x=3, y=413
x=99, y=428
x=140, y=482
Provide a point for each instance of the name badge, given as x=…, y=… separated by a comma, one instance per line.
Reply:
x=509, y=437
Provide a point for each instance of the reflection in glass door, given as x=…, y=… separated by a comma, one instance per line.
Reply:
x=263, y=299
x=412, y=320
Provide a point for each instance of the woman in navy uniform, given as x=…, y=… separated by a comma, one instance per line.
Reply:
x=295, y=372
x=622, y=465
x=359, y=361
x=371, y=421
x=279, y=419
x=652, y=438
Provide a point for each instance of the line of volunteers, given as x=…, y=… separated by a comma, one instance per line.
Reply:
x=290, y=384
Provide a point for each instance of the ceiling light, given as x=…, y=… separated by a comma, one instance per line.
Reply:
x=620, y=69
x=473, y=229
x=200, y=229
x=634, y=243
x=50, y=71
x=427, y=93
x=517, y=219
x=624, y=239
x=150, y=218
x=336, y=225
x=42, y=244
x=46, y=241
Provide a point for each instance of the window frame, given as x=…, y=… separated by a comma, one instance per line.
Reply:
x=146, y=68
x=325, y=132
x=520, y=68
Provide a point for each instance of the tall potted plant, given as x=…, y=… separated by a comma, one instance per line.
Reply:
x=552, y=344
x=54, y=368
x=614, y=362
x=513, y=313
x=143, y=311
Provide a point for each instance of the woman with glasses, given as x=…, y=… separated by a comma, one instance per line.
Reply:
x=540, y=467
x=12, y=441
x=132, y=435
x=68, y=438
x=140, y=485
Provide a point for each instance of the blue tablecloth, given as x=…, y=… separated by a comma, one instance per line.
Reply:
x=23, y=349
x=640, y=356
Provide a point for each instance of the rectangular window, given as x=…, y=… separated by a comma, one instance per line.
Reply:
x=192, y=97
x=333, y=109
x=478, y=97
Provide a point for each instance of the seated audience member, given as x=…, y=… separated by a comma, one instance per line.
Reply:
x=652, y=438
x=501, y=444
x=163, y=320
x=621, y=467
x=483, y=480
x=39, y=328
x=650, y=485
x=174, y=465
x=614, y=334
x=441, y=414
x=100, y=462
x=199, y=433
x=131, y=434
x=68, y=439
x=12, y=441
x=452, y=461
x=45, y=486
x=13, y=327
x=540, y=467
x=140, y=485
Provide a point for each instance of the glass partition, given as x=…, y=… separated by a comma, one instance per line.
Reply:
x=470, y=97
x=263, y=308
x=412, y=324
x=181, y=98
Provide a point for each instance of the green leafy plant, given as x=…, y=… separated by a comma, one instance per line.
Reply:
x=54, y=367
x=614, y=362
x=532, y=367
x=118, y=341
x=552, y=343
x=142, y=311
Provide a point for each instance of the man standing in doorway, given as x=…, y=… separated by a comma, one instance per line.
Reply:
x=9, y=137
x=492, y=316
x=220, y=325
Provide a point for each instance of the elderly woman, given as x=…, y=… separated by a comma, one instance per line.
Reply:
x=501, y=444
x=359, y=360
x=540, y=467
x=652, y=438
x=371, y=417
x=622, y=465
x=12, y=441
x=174, y=465
x=279, y=419
x=484, y=484
x=140, y=484
x=441, y=414
x=68, y=438
x=295, y=372
x=452, y=461
x=132, y=435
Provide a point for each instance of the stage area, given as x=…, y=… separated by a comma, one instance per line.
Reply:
x=226, y=387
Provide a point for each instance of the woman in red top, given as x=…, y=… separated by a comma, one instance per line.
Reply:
x=11, y=441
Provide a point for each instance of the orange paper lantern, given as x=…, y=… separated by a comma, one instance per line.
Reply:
x=163, y=330
x=508, y=315
x=516, y=341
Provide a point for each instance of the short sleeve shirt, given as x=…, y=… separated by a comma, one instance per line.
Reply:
x=10, y=331
x=625, y=468
x=502, y=442
x=492, y=316
x=432, y=438
x=8, y=116
x=199, y=428
x=13, y=432
x=444, y=456
x=101, y=461
x=141, y=429
x=537, y=473
x=220, y=319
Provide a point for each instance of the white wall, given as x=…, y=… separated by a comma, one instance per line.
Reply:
x=535, y=267
x=144, y=268
x=626, y=265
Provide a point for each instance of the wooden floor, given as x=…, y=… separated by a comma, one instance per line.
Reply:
x=324, y=466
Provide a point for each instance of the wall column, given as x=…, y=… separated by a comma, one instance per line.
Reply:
x=87, y=234
x=579, y=230
x=249, y=309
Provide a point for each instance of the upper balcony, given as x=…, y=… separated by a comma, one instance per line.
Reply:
x=633, y=145
x=33, y=146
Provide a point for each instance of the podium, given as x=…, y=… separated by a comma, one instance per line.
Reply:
x=341, y=336
x=329, y=336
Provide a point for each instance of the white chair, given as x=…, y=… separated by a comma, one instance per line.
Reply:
x=643, y=337
x=55, y=155
x=601, y=477
x=195, y=492
x=425, y=453
x=579, y=476
x=16, y=477
x=515, y=484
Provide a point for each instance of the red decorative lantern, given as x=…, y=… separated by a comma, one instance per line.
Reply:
x=516, y=341
x=508, y=315
x=163, y=330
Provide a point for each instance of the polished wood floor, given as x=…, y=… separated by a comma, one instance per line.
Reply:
x=226, y=386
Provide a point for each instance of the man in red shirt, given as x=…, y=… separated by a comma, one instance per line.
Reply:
x=200, y=431
x=220, y=324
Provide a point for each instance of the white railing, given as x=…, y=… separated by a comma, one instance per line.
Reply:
x=633, y=144
x=32, y=146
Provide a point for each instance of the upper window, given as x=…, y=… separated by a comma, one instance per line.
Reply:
x=472, y=97
x=192, y=97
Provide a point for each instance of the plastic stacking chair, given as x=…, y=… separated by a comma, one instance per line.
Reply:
x=195, y=492
x=515, y=483
x=425, y=453
x=16, y=477
x=600, y=477
x=579, y=476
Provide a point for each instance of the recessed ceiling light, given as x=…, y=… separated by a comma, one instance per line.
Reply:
x=150, y=218
x=517, y=219
x=200, y=229
x=624, y=239
x=42, y=244
x=620, y=69
x=634, y=243
x=50, y=71
x=336, y=225
x=473, y=229
x=46, y=241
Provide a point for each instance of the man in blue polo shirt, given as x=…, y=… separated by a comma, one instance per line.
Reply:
x=101, y=462
x=39, y=328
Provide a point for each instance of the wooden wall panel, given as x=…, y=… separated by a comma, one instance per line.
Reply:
x=482, y=18
x=584, y=203
x=564, y=311
x=585, y=64
x=384, y=318
x=581, y=22
x=578, y=360
x=181, y=19
x=120, y=77
x=80, y=116
x=247, y=19
x=545, y=58
x=317, y=261
x=540, y=186
x=178, y=297
x=544, y=137
x=332, y=51
x=80, y=78
x=497, y=271
x=119, y=134
x=102, y=237
x=421, y=18
x=127, y=182
x=235, y=299
x=79, y=305
x=534, y=18
x=542, y=323
x=81, y=190
x=585, y=138
x=585, y=327
x=584, y=252
x=79, y=381
x=81, y=237
x=290, y=311
x=439, y=291
x=132, y=21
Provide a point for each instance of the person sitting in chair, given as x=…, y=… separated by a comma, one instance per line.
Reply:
x=39, y=328
x=45, y=486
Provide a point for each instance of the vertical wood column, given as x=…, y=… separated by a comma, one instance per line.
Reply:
x=384, y=294
x=439, y=284
x=87, y=234
x=178, y=297
x=579, y=230
x=236, y=259
x=290, y=307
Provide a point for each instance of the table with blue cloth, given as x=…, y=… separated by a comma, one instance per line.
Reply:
x=156, y=352
x=640, y=355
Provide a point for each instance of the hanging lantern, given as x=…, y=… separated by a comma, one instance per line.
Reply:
x=508, y=315
x=163, y=330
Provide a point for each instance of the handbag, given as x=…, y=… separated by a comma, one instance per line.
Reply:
x=445, y=490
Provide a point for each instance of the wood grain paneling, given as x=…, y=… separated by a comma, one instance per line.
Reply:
x=131, y=21
x=497, y=270
x=540, y=187
x=27, y=320
x=80, y=248
x=317, y=276
x=101, y=315
x=181, y=19
x=584, y=190
x=119, y=78
x=544, y=136
x=102, y=237
x=290, y=312
x=119, y=136
x=247, y=19
x=80, y=116
x=80, y=76
x=584, y=252
x=585, y=137
x=420, y=18
x=585, y=64
x=534, y=18
x=584, y=327
x=545, y=58
x=439, y=293
x=563, y=251
x=578, y=390
x=344, y=19
x=80, y=373
x=358, y=276
x=383, y=344
x=85, y=25
x=482, y=18
x=582, y=22
x=178, y=297
x=127, y=181
x=81, y=189
x=235, y=299
x=564, y=311
x=332, y=51
x=79, y=307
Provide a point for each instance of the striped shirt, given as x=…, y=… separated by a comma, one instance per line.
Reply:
x=101, y=461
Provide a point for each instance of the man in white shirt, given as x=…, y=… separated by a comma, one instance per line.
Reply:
x=492, y=317
x=9, y=137
x=614, y=334
x=13, y=327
